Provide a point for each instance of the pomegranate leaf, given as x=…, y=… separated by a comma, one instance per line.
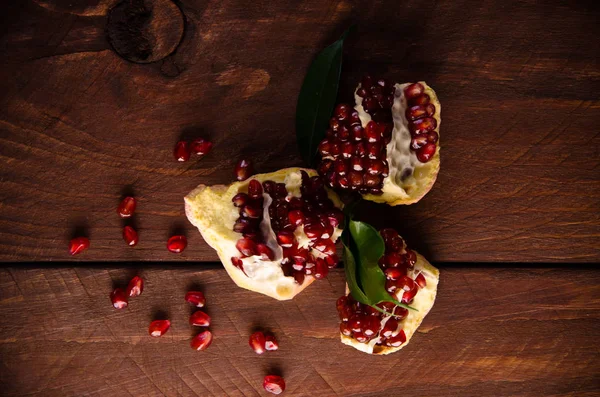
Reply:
x=351, y=279
x=317, y=99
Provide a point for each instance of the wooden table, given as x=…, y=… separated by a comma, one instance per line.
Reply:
x=513, y=221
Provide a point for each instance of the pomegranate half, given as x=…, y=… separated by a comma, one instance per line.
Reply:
x=387, y=146
x=275, y=233
x=411, y=279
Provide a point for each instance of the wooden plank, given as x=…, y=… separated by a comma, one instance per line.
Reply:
x=518, y=83
x=496, y=331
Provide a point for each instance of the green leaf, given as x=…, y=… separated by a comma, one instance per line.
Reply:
x=317, y=99
x=351, y=280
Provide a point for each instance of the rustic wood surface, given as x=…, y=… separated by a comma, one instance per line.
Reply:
x=493, y=332
x=518, y=82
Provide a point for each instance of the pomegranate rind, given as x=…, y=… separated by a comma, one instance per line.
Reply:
x=425, y=174
x=210, y=209
x=423, y=302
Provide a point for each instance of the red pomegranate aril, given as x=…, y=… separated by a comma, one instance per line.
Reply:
x=202, y=341
x=430, y=109
x=343, y=134
x=130, y=236
x=400, y=313
x=391, y=325
x=237, y=262
x=355, y=178
x=357, y=132
x=342, y=111
x=269, y=187
x=201, y=146
x=418, y=142
x=391, y=238
x=372, y=180
x=366, y=82
x=296, y=217
x=118, y=298
x=420, y=280
x=240, y=199
x=196, y=298
x=243, y=170
x=374, y=150
x=387, y=306
x=341, y=302
x=345, y=328
x=372, y=132
x=200, y=319
x=416, y=112
x=347, y=149
x=355, y=323
x=340, y=167
x=257, y=342
x=393, y=273
x=265, y=252
x=335, y=217
x=159, y=327
x=371, y=325
x=324, y=148
x=246, y=246
x=181, y=151
x=271, y=343
x=177, y=244
x=426, y=153
x=432, y=137
x=421, y=126
x=357, y=163
x=325, y=246
x=285, y=239
x=413, y=90
x=398, y=340
x=251, y=211
x=332, y=260
x=135, y=287
x=393, y=259
x=78, y=245
x=255, y=189
x=314, y=231
x=360, y=336
x=274, y=384
x=299, y=277
x=334, y=124
x=126, y=207
x=375, y=167
x=321, y=269
x=360, y=149
x=243, y=225
x=420, y=100
x=391, y=286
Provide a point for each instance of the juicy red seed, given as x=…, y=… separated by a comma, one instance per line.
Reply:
x=371, y=325
x=130, y=236
x=411, y=258
x=332, y=260
x=181, y=151
x=387, y=306
x=418, y=141
x=246, y=246
x=321, y=269
x=343, y=133
x=200, y=319
x=196, y=298
x=372, y=180
x=391, y=238
x=430, y=109
x=243, y=225
x=237, y=262
x=251, y=211
x=78, y=245
x=360, y=149
x=285, y=239
x=420, y=100
x=400, y=313
x=398, y=340
x=340, y=167
x=274, y=384
x=334, y=124
x=366, y=82
x=159, y=327
x=243, y=170
x=413, y=90
x=374, y=150
x=347, y=149
x=271, y=343
x=372, y=132
x=357, y=163
x=420, y=280
x=296, y=217
x=118, y=298
x=342, y=111
x=393, y=273
x=299, y=277
x=280, y=190
x=126, y=207
x=345, y=328
x=355, y=323
x=265, y=252
x=432, y=137
x=269, y=187
x=360, y=337
x=343, y=182
x=257, y=342
x=357, y=132
x=375, y=167
x=324, y=147
x=255, y=189
x=393, y=259
x=391, y=325
x=325, y=246
x=355, y=178
x=421, y=126
x=177, y=244
x=341, y=302
x=240, y=199
x=361, y=92
x=426, y=152
x=201, y=146
x=335, y=217
x=314, y=231
x=416, y=112
x=370, y=104
x=202, y=341
x=135, y=287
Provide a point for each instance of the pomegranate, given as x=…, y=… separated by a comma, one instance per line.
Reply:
x=274, y=384
x=411, y=280
x=135, y=287
x=275, y=233
x=386, y=147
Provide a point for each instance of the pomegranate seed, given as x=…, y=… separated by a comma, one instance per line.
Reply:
x=387, y=306
x=392, y=240
x=325, y=246
x=366, y=82
x=360, y=149
x=314, y=231
x=332, y=260
x=285, y=239
x=201, y=146
x=391, y=325
x=135, y=287
x=374, y=150
x=250, y=211
x=126, y=207
x=265, y=252
x=243, y=170
x=420, y=100
x=269, y=187
x=370, y=104
x=421, y=126
x=416, y=112
x=391, y=286
x=432, y=137
x=335, y=149
x=419, y=141
x=343, y=134
x=299, y=277
x=130, y=236
x=398, y=340
x=202, y=341
x=393, y=273
x=357, y=163
x=196, y=298
x=177, y=244
x=78, y=245
x=355, y=178
x=246, y=246
x=296, y=217
x=400, y=313
x=420, y=280
x=347, y=149
x=240, y=199
x=372, y=180
x=355, y=323
x=159, y=327
x=324, y=147
x=334, y=124
x=360, y=336
x=372, y=132
x=181, y=151
x=335, y=217
x=357, y=132
x=271, y=343
x=371, y=325
x=361, y=92
x=340, y=167
x=430, y=109
x=274, y=384
x=410, y=288
x=237, y=262
x=342, y=111
x=257, y=342
x=243, y=225
x=393, y=259
x=255, y=189
x=200, y=319
x=345, y=328
x=341, y=302
x=118, y=298
x=321, y=269
x=426, y=152
x=413, y=90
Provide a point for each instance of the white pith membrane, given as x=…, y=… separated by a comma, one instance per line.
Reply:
x=409, y=179
x=211, y=210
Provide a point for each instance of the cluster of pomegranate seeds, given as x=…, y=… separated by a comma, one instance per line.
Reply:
x=243, y=170
x=274, y=384
x=259, y=342
x=183, y=149
x=421, y=122
x=78, y=245
x=199, y=319
x=354, y=157
x=177, y=244
x=159, y=328
x=362, y=322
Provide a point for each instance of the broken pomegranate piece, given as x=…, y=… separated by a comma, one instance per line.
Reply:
x=275, y=233
x=386, y=147
x=409, y=279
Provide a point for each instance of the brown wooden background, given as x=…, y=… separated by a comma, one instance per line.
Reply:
x=516, y=205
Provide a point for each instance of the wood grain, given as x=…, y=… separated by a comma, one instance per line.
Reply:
x=518, y=82
x=492, y=332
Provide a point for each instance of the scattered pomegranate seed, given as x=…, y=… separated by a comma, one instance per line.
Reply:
x=196, y=298
x=78, y=245
x=181, y=151
x=200, y=319
x=159, y=327
x=135, y=287
x=255, y=189
x=420, y=280
x=257, y=342
x=201, y=146
x=271, y=343
x=274, y=384
x=177, y=244
x=130, y=236
x=118, y=298
x=243, y=170
x=202, y=341
x=127, y=207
